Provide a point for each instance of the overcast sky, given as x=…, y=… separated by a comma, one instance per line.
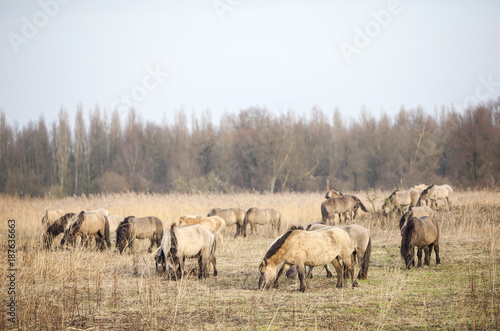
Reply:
x=227, y=55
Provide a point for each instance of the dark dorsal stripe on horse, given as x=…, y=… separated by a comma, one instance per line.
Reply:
x=406, y=235
x=281, y=240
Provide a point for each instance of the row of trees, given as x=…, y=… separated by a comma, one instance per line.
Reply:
x=251, y=150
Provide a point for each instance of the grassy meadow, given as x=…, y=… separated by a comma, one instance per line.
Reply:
x=83, y=289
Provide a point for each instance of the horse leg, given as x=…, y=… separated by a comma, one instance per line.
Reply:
x=213, y=260
x=328, y=271
x=427, y=254
x=436, y=250
x=349, y=266
x=338, y=269
x=301, y=271
x=237, y=230
x=283, y=269
x=309, y=273
x=419, y=255
x=153, y=240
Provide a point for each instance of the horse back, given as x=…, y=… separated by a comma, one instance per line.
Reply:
x=426, y=229
x=191, y=239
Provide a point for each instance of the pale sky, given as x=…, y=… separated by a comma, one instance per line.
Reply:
x=228, y=55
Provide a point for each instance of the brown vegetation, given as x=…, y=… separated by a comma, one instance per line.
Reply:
x=86, y=288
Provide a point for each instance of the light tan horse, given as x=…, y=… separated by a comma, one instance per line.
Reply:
x=307, y=248
x=179, y=243
x=50, y=215
x=423, y=233
x=55, y=228
x=419, y=187
x=88, y=225
x=398, y=200
x=214, y=224
x=413, y=211
x=435, y=193
x=114, y=221
x=232, y=216
x=132, y=228
x=256, y=216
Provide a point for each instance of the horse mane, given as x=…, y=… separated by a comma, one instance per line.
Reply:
x=59, y=225
x=407, y=236
x=75, y=226
x=389, y=198
x=123, y=229
x=363, y=208
x=276, y=245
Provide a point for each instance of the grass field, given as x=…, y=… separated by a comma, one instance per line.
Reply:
x=84, y=289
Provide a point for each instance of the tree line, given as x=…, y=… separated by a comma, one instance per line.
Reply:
x=252, y=150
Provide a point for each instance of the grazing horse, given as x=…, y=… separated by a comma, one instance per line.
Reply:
x=179, y=243
x=51, y=215
x=55, y=228
x=343, y=205
x=423, y=233
x=398, y=200
x=88, y=225
x=307, y=248
x=435, y=193
x=214, y=224
x=256, y=216
x=413, y=211
x=131, y=227
x=232, y=216
x=362, y=247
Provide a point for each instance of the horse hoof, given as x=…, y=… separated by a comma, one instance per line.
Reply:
x=329, y=275
x=302, y=289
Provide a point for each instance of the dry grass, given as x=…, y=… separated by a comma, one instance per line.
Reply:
x=86, y=289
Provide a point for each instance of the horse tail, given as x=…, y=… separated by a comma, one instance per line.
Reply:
x=245, y=222
x=363, y=208
x=278, y=225
x=365, y=263
x=106, y=232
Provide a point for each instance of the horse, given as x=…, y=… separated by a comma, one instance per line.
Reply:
x=50, y=215
x=333, y=193
x=132, y=228
x=88, y=225
x=423, y=233
x=343, y=205
x=114, y=222
x=435, y=193
x=179, y=243
x=398, y=200
x=307, y=248
x=414, y=211
x=362, y=247
x=256, y=216
x=55, y=228
x=214, y=224
x=419, y=187
x=102, y=211
x=232, y=216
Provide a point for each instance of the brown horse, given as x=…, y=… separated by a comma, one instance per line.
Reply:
x=258, y=216
x=88, y=225
x=413, y=211
x=307, y=248
x=343, y=205
x=232, y=216
x=179, y=243
x=214, y=224
x=435, y=193
x=423, y=233
x=131, y=227
x=55, y=228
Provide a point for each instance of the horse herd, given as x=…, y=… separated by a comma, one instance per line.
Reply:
x=316, y=244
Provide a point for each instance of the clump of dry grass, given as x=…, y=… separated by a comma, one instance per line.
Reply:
x=85, y=288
